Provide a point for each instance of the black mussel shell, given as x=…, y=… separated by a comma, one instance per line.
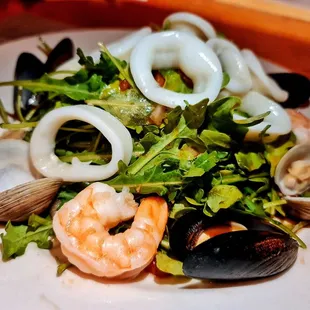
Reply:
x=297, y=85
x=186, y=230
x=241, y=255
x=28, y=67
x=62, y=52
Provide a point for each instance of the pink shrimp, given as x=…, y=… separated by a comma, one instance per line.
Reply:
x=82, y=227
x=300, y=126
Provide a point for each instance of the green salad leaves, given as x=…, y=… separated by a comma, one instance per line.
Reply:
x=17, y=238
x=197, y=158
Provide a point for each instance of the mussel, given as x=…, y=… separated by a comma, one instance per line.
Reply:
x=29, y=67
x=297, y=86
x=230, y=246
x=61, y=53
x=241, y=255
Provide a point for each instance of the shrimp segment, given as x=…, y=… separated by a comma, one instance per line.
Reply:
x=82, y=227
x=300, y=126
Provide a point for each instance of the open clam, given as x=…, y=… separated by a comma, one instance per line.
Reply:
x=22, y=190
x=293, y=178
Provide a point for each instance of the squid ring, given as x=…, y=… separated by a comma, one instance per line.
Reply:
x=255, y=103
x=233, y=63
x=42, y=144
x=190, y=23
x=176, y=49
x=264, y=83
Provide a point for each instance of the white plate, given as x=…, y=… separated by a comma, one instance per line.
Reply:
x=30, y=282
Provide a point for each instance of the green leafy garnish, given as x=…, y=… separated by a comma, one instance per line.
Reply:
x=223, y=197
x=174, y=82
x=169, y=265
x=250, y=161
x=17, y=238
x=82, y=89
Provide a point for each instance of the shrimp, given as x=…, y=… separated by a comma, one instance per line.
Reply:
x=300, y=126
x=82, y=227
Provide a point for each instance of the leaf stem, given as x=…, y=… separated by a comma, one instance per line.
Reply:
x=117, y=65
x=76, y=129
x=157, y=148
x=85, y=157
x=3, y=113
x=18, y=105
x=22, y=125
x=96, y=144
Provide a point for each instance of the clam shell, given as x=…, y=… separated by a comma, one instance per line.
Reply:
x=299, y=207
x=18, y=203
x=298, y=152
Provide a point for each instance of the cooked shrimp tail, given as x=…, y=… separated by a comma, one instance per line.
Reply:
x=82, y=227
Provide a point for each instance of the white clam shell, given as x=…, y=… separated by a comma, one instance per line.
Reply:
x=297, y=206
x=191, y=24
x=261, y=81
x=43, y=142
x=170, y=49
x=254, y=104
x=234, y=64
x=298, y=152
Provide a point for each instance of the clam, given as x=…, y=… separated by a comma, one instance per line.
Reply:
x=22, y=191
x=230, y=246
x=292, y=175
x=19, y=202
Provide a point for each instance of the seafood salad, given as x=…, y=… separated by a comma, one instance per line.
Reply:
x=170, y=151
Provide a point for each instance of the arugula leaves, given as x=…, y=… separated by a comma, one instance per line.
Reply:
x=17, y=238
x=78, y=88
x=174, y=82
x=223, y=197
x=169, y=265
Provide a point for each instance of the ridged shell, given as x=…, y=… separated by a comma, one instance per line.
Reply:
x=298, y=152
x=18, y=203
x=241, y=255
x=299, y=207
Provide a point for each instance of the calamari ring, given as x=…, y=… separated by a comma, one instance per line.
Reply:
x=170, y=49
x=43, y=142
x=263, y=83
x=233, y=63
x=190, y=23
x=254, y=103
